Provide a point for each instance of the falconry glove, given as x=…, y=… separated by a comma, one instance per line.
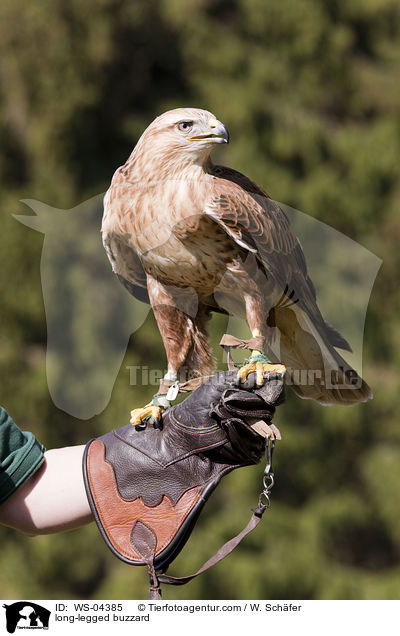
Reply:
x=146, y=488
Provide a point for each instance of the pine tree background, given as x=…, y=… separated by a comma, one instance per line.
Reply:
x=310, y=92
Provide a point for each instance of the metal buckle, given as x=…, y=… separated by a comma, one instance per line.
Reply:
x=264, y=501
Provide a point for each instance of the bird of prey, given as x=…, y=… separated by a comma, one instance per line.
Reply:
x=191, y=237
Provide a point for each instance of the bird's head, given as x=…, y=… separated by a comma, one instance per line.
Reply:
x=183, y=136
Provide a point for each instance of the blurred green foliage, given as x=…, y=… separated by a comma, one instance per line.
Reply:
x=310, y=92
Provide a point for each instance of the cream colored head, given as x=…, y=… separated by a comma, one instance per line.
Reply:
x=180, y=138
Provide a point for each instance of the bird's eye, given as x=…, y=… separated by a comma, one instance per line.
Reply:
x=185, y=126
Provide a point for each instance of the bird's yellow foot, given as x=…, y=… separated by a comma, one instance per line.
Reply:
x=259, y=365
x=150, y=414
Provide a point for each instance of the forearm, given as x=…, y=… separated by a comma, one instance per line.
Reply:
x=53, y=499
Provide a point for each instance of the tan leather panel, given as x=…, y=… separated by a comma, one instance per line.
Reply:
x=118, y=516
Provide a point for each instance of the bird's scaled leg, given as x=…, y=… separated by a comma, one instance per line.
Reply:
x=259, y=365
x=176, y=328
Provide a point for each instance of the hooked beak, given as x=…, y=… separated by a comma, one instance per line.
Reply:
x=218, y=133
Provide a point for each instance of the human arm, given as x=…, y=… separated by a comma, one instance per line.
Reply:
x=53, y=499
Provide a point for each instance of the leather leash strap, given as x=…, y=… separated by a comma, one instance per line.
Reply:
x=223, y=552
x=228, y=547
x=229, y=342
x=257, y=342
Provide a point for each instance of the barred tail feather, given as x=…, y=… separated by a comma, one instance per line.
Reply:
x=314, y=368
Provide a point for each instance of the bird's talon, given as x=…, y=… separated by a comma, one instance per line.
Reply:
x=260, y=369
x=157, y=423
x=141, y=426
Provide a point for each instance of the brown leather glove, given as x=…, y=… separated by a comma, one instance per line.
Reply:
x=147, y=487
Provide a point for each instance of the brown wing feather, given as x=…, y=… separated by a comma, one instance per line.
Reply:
x=257, y=222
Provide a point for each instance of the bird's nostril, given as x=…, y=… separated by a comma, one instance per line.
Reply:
x=213, y=123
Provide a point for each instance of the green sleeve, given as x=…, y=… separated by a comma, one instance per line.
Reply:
x=20, y=455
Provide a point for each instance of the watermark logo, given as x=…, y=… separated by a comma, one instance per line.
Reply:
x=91, y=316
x=26, y=615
